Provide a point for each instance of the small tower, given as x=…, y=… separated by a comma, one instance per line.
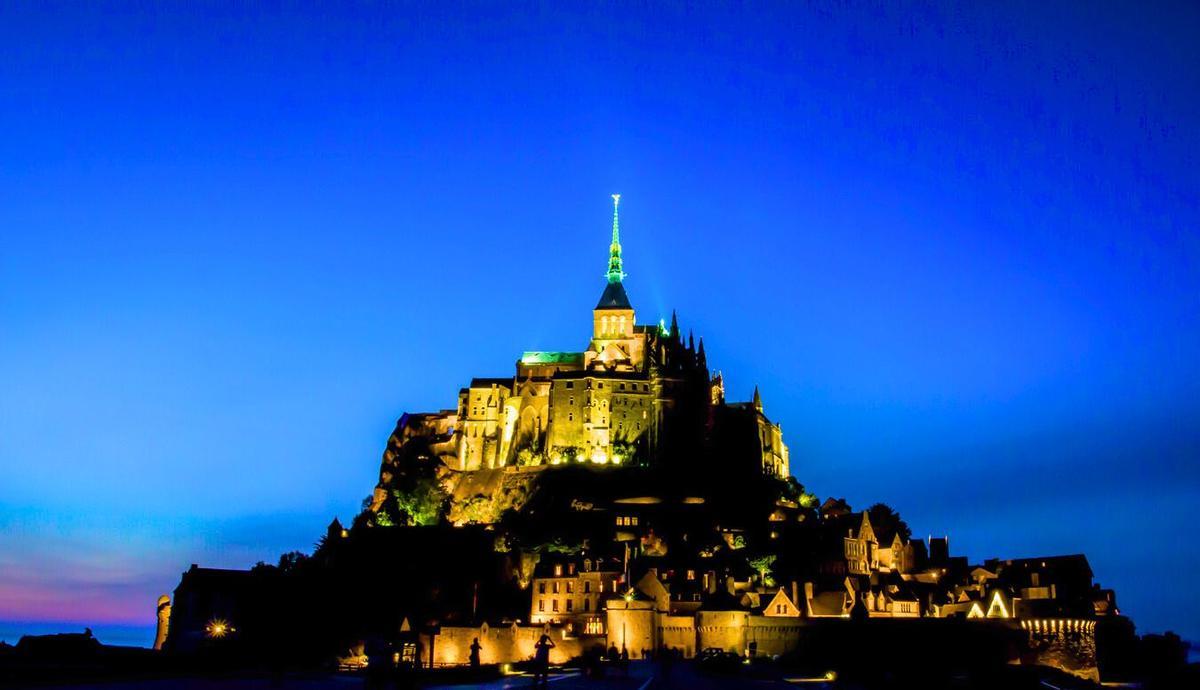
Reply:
x=163, y=618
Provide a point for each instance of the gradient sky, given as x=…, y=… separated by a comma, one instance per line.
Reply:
x=956, y=247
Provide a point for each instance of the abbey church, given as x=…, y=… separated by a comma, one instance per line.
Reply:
x=639, y=393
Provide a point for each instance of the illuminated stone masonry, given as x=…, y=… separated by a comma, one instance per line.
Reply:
x=609, y=404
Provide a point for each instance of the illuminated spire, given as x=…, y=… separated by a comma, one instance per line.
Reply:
x=615, y=274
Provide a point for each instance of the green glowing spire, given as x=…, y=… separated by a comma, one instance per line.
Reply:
x=615, y=274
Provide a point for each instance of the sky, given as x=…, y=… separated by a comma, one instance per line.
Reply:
x=955, y=247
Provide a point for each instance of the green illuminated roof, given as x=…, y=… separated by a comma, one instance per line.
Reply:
x=615, y=273
x=551, y=358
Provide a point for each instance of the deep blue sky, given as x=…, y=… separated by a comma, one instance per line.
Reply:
x=955, y=247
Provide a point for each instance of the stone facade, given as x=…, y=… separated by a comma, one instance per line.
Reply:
x=634, y=390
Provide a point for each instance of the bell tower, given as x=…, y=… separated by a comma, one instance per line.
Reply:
x=612, y=319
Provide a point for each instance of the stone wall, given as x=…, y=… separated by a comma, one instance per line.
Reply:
x=774, y=635
x=1065, y=644
x=722, y=629
x=507, y=644
x=632, y=625
x=678, y=632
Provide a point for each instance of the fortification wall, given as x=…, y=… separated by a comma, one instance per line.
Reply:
x=506, y=644
x=1065, y=644
x=634, y=629
x=678, y=632
x=722, y=629
x=773, y=635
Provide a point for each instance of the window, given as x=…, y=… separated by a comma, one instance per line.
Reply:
x=541, y=588
x=570, y=587
x=555, y=587
x=571, y=400
x=587, y=604
x=600, y=385
x=554, y=605
x=622, y=386
x=541, y=605
x=570, y=605
x=691, y=575
x=570, y=416
x=587, y=587
x=570, y=384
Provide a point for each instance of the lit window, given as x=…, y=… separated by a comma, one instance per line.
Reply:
x=554, y=605
x=555, y=588
x=570, y=587
x=558, y=570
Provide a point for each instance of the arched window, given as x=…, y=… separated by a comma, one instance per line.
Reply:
x=603, y=325
x=622, y=325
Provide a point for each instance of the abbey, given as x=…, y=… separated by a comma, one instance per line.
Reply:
x=612, y=498
x=631, y=396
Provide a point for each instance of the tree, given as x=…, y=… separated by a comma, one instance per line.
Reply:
x=885, y=519
x=292, y=561
x=763, y=565
x=422, y=501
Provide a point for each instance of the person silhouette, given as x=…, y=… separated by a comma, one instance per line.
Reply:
x=541, y=661
x=475, y=649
